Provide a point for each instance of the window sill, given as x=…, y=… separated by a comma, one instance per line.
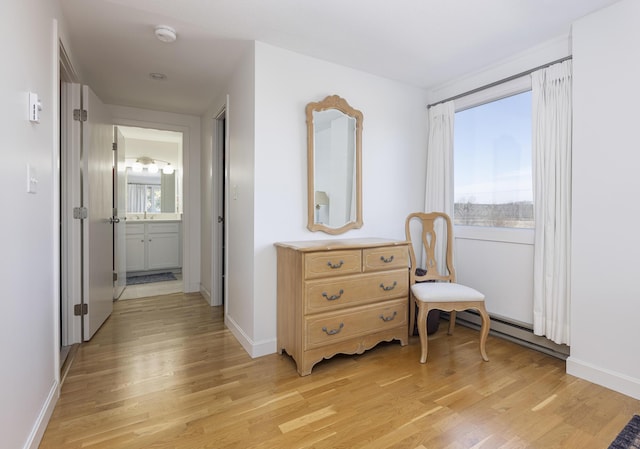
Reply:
x=504, y=235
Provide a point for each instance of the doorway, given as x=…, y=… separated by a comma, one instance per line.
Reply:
x=151, y=166
x=219, y=199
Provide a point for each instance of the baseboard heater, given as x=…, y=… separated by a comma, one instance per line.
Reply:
x=516, y=332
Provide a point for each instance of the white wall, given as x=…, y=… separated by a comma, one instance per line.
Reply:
x=268, y=170
x=190, y=127
x=240, y=208
x=29, y=268
x=393, y=161
x=605, y=334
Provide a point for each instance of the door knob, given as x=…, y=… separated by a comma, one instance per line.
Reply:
x=114, y=220
x=220, y=219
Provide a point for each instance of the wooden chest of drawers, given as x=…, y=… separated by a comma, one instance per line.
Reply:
x=340, y=296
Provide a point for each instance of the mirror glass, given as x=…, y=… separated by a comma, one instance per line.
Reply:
x=153, y=160
x=334, y=140
x=150, y=192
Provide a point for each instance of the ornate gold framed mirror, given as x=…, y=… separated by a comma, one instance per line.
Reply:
x=334, y=159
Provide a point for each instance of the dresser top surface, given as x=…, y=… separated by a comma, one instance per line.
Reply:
x=338, y=244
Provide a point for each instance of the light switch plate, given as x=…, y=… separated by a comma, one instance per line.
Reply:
x=32, y=179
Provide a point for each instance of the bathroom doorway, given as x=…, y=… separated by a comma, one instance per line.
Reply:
x=153, y=243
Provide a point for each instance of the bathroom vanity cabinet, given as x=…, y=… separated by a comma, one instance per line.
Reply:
x=154, y=245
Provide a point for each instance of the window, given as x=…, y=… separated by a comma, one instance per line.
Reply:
x=143, y=198
x=492, y=164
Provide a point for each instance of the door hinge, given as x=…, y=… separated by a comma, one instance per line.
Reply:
x=80, y=213
x=80, y=309
x=114, y=146
x=115, y=276
x=80, y=115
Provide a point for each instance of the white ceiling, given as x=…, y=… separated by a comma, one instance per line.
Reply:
x=419, y=42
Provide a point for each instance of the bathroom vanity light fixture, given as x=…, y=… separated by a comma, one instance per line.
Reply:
x=152, y=165
x=165, y=33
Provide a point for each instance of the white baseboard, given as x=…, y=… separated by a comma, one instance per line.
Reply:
x=254, y=349
x=43, y=418
x=205, y=294
x=610, y=379
x=192, y=287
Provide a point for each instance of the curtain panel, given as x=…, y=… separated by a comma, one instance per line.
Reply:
x=439, y=184
x=551, y=147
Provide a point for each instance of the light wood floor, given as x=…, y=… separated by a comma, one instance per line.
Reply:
x=164, y=372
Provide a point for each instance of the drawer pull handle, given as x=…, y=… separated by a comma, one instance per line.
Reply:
x=385, y=260
x=390, y=287
x=335, y=266
x=390, y=318
x=333, y=331
x=333, y=297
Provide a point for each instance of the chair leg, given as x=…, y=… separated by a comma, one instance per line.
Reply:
x=422, y=330
x=484, y=332
x=412, y=313
x=452, y=321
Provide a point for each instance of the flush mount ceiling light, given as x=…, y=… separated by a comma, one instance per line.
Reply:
x=157, y=76
x=165, y=33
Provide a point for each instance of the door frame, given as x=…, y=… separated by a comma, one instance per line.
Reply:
x=71, y=229
x=220, y=206
x=187, y=214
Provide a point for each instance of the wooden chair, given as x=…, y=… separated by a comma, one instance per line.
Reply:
x=439, y=291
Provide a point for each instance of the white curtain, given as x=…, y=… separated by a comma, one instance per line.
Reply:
x=551, y=98
x=136, y=197
x=439, y=186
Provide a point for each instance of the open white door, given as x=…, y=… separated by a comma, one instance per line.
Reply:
x=87, y=135
x=120, y=216
x=97, y=144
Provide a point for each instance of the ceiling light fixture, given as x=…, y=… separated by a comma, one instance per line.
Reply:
x=165, y=33
x=157, y=76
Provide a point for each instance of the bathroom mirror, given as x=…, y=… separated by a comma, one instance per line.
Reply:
x=334, y=156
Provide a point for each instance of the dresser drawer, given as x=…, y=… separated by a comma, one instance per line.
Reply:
x=336, y=293
x=332, y=263
x=330, y=328
x=388, y=258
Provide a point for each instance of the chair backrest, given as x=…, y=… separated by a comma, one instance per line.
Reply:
x=430, y=223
